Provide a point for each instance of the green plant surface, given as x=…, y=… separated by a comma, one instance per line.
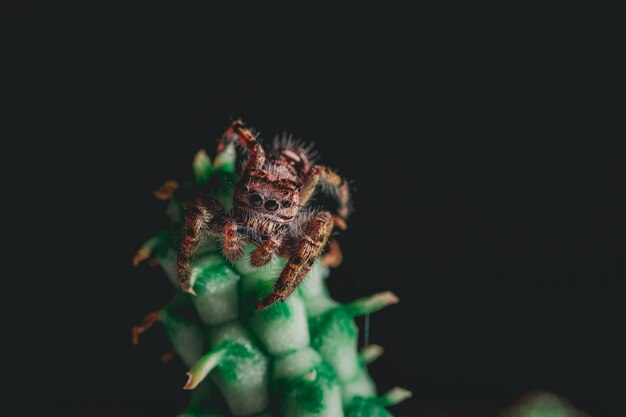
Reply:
x=293, y=359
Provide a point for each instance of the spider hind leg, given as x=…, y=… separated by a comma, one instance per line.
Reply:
x=331, y=183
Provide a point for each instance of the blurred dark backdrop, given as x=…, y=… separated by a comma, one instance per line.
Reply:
x=484, y=153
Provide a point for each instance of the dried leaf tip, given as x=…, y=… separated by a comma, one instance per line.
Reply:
x=371, y=304
x=191, y=291
x=166, y=190
x=202, y=167
x=190, y=382
x=310, y=376
x=225, y=160
x=141, y=255
x=371, y=352
x=202, y=367
x=148, y=321
x=340, y=222
x=394, y=396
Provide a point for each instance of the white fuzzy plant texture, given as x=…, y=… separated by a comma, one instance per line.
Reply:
x=297, y=358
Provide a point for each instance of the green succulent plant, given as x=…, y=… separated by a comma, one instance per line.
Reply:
x=295, y=358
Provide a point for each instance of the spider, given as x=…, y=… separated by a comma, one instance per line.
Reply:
x=270, y=210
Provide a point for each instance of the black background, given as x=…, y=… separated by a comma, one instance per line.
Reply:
x=484, y=149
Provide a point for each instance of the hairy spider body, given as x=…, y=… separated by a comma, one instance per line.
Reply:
x=269, y=210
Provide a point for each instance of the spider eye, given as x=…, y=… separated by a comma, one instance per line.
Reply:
x=271, y=205
x=256, y=200
x=287, y=204
x=245, y=189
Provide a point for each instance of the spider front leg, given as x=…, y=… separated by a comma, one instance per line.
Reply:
x=203, y=213
x=257, y=155
x=263, y=254
x=309, y=247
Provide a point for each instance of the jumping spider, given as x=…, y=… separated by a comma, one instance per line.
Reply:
x=269, y=210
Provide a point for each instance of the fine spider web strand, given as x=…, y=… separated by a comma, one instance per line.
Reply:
x=366, y=331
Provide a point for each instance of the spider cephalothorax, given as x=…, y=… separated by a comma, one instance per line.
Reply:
x=269, y=210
